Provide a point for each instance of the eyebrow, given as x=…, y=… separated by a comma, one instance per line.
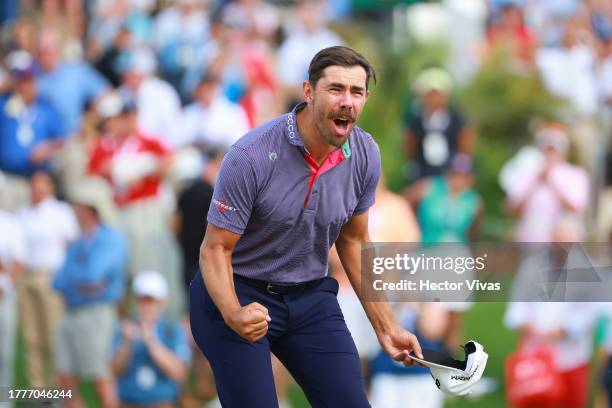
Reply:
x=341, y=85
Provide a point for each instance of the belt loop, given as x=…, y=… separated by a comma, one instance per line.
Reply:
x=269, y=289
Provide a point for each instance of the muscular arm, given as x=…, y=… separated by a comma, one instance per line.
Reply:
x=251, y=321
x=396, y=341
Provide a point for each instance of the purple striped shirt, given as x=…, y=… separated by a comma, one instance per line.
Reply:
x=288, y=210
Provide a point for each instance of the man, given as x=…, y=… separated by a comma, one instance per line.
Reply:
x=437, y=131
x=542, y=186
x=67, y=85
x=158, y=103
x=91, y=283
x=31, y=131
x=212, y=121
x=136, y=164
x=12, y=257
x=286, y=192
x=151, y=353
x=48, y=226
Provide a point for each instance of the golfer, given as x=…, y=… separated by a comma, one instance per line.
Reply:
x=287, y=191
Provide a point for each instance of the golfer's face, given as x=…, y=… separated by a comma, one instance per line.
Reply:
x=338, y=98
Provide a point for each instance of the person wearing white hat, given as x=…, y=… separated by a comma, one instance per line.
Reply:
x=436, y=131
x=151, y=353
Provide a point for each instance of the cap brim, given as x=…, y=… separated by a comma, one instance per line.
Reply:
x=436, y=359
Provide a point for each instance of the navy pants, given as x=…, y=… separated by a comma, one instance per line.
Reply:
x=307, y=334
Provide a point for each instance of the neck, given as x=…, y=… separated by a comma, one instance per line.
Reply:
x=312, y=138
x=89, y=228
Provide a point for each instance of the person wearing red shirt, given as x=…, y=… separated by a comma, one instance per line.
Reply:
x=136, y=164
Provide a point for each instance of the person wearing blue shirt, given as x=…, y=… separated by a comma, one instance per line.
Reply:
x=68, y=86
x=151, y=353
x=31, y=131
x=91, y=283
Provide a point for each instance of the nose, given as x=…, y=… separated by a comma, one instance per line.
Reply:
x=346, y=102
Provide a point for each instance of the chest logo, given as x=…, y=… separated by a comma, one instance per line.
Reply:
x=272, y=156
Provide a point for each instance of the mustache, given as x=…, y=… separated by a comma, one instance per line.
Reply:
x=343, y=113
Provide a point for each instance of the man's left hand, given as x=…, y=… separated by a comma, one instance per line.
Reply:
x=399, y=343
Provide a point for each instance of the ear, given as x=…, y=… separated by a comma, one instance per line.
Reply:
x=367, y=95
x=307, y=91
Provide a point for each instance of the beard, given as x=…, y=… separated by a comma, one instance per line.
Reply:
x=324, y=124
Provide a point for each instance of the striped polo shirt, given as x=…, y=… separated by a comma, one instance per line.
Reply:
x=288, y=210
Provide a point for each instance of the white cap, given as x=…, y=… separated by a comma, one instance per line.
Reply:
x=454, y=377
x=150, y=283
x=110, y=105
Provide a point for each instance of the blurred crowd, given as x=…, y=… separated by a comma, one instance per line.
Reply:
x=115, y=116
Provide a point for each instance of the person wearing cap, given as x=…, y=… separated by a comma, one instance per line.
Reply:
x=13, y=254
x=436, y=131
x=91, y=284
x=286, y=192
x=540, y=191
x=67, y=85
x=31, y=131
x=136, y=164
x=151, y=353
x=49, y=225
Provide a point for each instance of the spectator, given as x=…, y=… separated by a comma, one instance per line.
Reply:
x=181, y=32
x=91, y=284
x=152, y=354
x=448, y=207
x=212, y=121
x=541, y=185
x=396, y=386
x=68, y=86
x=437, y=131
x=12, y=256
x=306, y=37
x=48, y=226
x=568, y=70
x=246, y=71
x=157, y=102
x=191, y=214
x=109, y=63
x=509, y=30
x=136, y=164
x=562, y=326
x=32, y=131
x=260, y=17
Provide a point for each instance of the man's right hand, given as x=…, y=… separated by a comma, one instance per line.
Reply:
x=250, y=321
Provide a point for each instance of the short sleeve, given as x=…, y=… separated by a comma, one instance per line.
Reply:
x=235, y=192
x=371, y=179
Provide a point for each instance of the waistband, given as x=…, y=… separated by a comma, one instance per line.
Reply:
x=278, y=288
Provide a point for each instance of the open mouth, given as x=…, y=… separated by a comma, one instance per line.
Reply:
x=342, y=125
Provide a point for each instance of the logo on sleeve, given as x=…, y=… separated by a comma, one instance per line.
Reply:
x=223, y=205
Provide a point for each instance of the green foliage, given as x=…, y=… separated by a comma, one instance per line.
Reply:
x=502, y=103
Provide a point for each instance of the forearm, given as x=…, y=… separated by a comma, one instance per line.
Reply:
x=167, y=361
x=216, y=267
x=122, y=358
x=379, y=312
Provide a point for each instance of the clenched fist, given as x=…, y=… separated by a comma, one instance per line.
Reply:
x=250, y=321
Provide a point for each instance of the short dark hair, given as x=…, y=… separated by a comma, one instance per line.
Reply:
x=338, y=55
